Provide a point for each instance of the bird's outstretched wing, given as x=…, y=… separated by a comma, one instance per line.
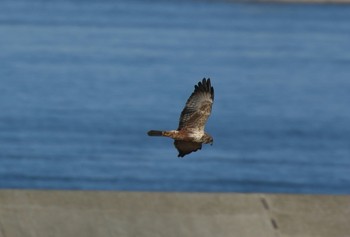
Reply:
x=185, y=147
x=198, y=107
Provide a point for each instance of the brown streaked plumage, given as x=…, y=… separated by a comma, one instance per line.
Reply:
x=190, y=134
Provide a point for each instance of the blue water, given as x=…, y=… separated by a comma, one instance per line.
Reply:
x=83, y=81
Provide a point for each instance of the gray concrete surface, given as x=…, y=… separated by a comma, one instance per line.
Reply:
x=89, y=213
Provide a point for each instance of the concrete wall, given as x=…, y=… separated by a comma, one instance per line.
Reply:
x=88, y=213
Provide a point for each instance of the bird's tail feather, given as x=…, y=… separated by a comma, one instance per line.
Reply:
x=155, y=133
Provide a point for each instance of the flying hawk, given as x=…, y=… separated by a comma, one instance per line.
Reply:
x=190, y=134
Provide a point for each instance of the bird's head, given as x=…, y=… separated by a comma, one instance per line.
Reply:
x=208, y=139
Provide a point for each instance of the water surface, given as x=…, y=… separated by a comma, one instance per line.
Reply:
x=83, y=81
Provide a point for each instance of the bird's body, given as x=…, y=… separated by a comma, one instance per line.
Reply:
x=190, y=134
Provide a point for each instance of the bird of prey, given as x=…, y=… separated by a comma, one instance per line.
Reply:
x=190, y=134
